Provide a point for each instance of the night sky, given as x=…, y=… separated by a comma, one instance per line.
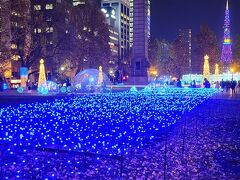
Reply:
x=167, y=16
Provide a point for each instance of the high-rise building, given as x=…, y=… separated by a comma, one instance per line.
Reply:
x=131, y=20
x=121, y=25
x=226, y=56
x=185, y=37
x=109, y=14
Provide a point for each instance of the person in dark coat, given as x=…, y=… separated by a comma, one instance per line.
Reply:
x=179, y=83
x=233, y=86
x=193, y=84
x=206, y=83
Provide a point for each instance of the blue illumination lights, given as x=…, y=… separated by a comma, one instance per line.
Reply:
x=133, y=89
x=20, y=90
x=104, y=123
x=63, y=89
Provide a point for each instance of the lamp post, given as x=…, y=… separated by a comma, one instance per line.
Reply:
x=62, y=68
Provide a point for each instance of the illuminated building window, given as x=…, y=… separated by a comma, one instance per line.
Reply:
x=37, y=7
x=15, y=57
x=37, y=30
x=15, y=24
x=48, y=19
x=78, y=2
x=13, y=46
x=104, y=10
x=49, y=29
x=49, y=6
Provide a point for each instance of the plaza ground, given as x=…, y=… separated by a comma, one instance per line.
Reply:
x=204, y=145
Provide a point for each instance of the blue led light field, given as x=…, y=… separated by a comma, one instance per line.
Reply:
x=103, y=123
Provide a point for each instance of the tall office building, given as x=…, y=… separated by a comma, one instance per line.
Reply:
x=185, y=37
x=109, y=14
x=131, y=20
x=121, y=25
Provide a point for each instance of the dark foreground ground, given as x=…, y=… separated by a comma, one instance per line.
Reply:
x=205, y=145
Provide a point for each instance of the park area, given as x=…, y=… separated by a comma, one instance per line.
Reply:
x=162, y=133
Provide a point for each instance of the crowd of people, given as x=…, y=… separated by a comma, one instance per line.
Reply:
x=227, y=86
x=234, y=86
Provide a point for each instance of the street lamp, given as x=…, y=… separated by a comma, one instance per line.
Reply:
x=62, y=68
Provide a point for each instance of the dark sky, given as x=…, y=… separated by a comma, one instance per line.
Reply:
x=167, y=16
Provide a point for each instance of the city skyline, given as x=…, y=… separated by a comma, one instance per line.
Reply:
x=167, y=16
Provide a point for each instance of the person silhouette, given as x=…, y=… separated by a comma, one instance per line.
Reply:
x=206, y=83
x=193, y=84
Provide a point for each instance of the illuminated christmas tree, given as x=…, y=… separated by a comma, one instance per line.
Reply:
x=216, y=72
x=100, y=76
x=226, y=56
x=206, y=69
x=42, y=75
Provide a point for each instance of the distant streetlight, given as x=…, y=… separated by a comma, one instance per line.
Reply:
x=62, y=68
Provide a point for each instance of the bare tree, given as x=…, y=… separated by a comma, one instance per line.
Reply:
x=77, y=40
x=91, y=36
x=5, y=37
x=206, y=43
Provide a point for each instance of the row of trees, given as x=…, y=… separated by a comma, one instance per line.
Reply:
x=75, y=37
x=169, y=57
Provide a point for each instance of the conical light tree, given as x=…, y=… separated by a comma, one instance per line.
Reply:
x=42, y=75
x=206, y=69
x=100, y=76
x=216, y=72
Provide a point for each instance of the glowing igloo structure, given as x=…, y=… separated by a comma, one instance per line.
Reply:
x=48, y=86
x=87, y=80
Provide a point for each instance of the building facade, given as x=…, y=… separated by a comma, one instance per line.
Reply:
x=110, y=15
x=185, y=37
x=121, y=25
